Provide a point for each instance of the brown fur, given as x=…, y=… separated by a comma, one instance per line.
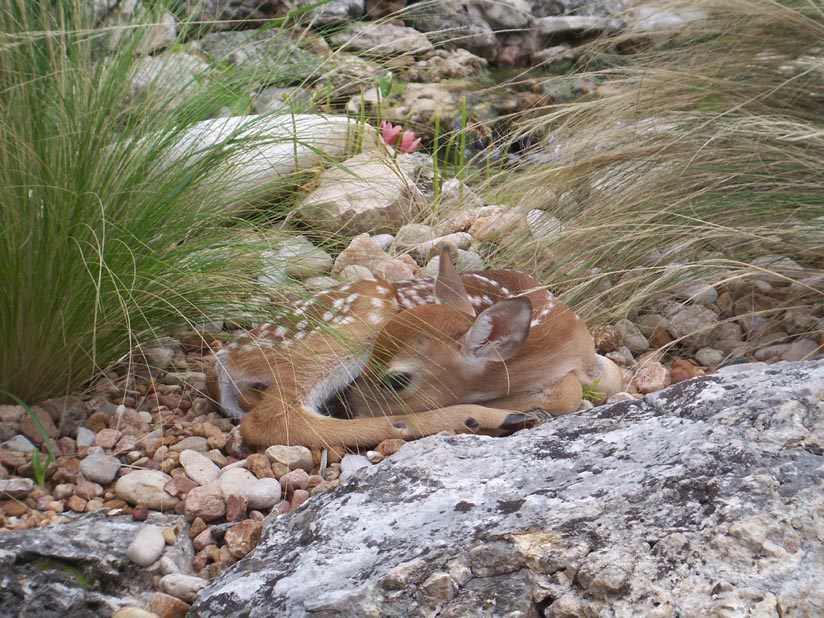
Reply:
x=281, y=388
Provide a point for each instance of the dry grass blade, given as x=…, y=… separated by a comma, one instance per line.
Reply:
x=699, y=153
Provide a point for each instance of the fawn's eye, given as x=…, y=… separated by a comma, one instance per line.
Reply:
x=396, y=381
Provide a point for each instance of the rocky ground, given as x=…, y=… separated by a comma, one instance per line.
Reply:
x=150, y=441
x=143, y=454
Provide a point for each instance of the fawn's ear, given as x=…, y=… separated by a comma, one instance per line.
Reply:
x=499, y=332
x=449, y=290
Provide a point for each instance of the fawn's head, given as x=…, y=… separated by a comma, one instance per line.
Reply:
x=436, y=355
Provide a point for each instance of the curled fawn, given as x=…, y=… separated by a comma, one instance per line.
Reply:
x=373, y=360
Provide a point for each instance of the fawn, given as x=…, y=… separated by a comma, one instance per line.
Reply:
x=373, y=360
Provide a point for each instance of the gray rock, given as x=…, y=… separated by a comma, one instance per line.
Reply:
x=697, y=291
x=710, y=357
x=384, y=241
x=450, y=24
x=505, y=14
x=194, y=443
x=168, y=78
x=455, y=194
x=570, y=26
x=336, y=12
x=299, y=258
x=223, y=14
x=380, y=40
x=16, y=488
x=632, y=337
x=413, y=234
x=703, y=496
x=697, y=325
x=100, y=468
x=802, y=349
x=274, y=99
x=85, y=437
x=430, y=248
x=75, y=569
x=18, y=444
x=543, y=226
x=467, y=261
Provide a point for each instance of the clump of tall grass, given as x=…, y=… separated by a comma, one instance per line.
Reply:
x=701, y=151
x=108, y=236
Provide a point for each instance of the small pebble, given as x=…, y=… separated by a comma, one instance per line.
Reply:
x=296, y=479
x=292, y=456
x=195, y=443
x=100, y=468
x=199, y=467
x=184, y=587
x=147, y=546
x=133, y=612
x=16, y=488
x=205, y=502
x=167, y=606
x=260, y=493
x=146, y=487
x=242, y=538
x=651, y=378
x=140, y=512
x=350, y=464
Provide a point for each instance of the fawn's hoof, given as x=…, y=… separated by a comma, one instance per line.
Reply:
x=515, y=422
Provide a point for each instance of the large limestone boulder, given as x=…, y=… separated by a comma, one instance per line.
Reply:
x=267, y=147
x=366, y=193
x=700, y=500
x=80, y=568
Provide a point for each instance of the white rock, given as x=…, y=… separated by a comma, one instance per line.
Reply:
x=184, y=587
x=301, y=258
x=275, y=145
x=168, y=566
x=85, y=437
x=198, y=467
x=147, y=546
x=413, y=234
x=367, y=193
x=384, y=241
x=18, y=444
x=292, y=456
x=261, y=493
x=350, y=464
x=146, y=487
x=424, y=250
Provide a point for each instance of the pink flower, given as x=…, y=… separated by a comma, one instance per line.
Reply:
x=408, y=142
x=390, y=132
